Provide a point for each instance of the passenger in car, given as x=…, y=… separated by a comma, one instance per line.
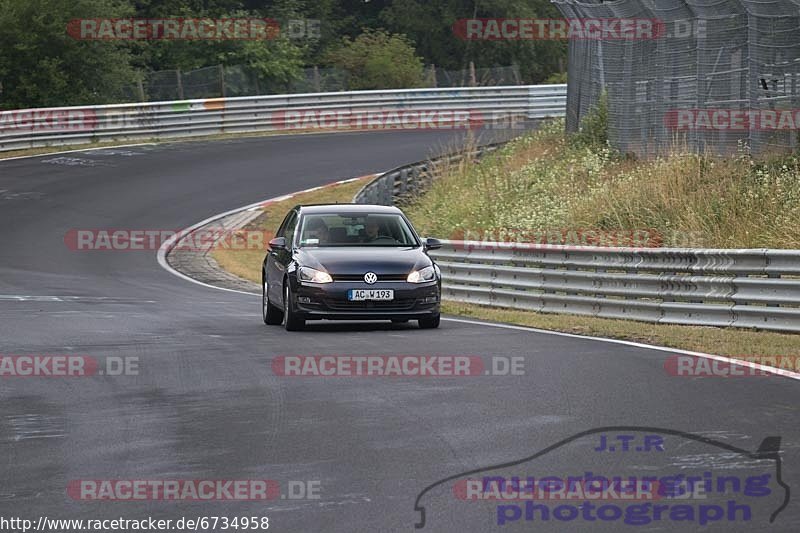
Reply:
x=318, y=231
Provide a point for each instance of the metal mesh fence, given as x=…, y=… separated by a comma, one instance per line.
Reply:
x=239, y=80
x=717, y=75
x=476, y=77
x=202, y=83
x=319, y=80
x=163, y=85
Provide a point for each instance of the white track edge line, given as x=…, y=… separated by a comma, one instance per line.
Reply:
x=179, y=140
x=156, y=143
x=749, y=364
x=168, y=245
x=76, y=151
x=164, y=249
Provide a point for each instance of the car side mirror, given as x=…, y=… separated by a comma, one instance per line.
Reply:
x=432, y=244
x=278, y=243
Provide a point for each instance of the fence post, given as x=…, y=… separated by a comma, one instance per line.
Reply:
x=516, y=73
x=473, y=82
x=180, y=84
x=432, y=76
x=221, y=80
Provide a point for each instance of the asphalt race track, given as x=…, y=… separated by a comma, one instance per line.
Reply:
x=206, y=404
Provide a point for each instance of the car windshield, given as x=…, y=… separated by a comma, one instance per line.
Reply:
x=358, y=229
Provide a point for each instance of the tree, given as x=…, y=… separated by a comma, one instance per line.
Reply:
x=377, y=59
x=429, y=24
x=276, y=61
x=42, y=66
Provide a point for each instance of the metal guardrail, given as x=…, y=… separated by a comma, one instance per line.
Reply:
x=740, y=288
x=705, y=287
x=407, y=181
x=33, y=128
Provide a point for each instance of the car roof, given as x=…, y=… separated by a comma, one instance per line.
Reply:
x=346, y=208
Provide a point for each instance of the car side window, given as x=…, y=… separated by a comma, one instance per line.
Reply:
x=282, y=228
x=289, y=227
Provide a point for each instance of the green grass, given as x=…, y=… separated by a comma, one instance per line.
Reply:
x=247, y=263
x=736, y=343
x=733, y=342
x=544, y=182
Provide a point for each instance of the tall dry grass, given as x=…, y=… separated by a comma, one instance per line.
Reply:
x=543, y=181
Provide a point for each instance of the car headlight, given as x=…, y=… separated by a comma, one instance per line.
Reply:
x=312, y=275
x=422, y=275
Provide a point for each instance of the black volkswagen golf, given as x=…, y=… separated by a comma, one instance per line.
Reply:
x=349, y=262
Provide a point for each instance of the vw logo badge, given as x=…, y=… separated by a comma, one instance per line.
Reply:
x=370, y=278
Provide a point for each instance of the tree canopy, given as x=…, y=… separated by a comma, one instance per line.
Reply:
x=380, y=43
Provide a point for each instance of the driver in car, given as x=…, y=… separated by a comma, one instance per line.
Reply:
x=318, y=231
x=372, y=231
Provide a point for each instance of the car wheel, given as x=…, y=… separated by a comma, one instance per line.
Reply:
x=273, y=316
x=431, y=322
x=290, y=319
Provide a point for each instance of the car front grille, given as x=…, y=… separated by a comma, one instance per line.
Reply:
x=360, y=277
x=403, y=304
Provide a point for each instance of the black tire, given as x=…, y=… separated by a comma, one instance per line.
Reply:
x=430, y=322
x=272, y=315
x=290, y=319
x=399, y=320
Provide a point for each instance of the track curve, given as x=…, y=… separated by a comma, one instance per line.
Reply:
x=206, y=404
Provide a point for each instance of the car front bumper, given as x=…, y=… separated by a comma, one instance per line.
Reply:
x=329, y=301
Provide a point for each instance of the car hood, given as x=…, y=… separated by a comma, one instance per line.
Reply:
x=360, y=260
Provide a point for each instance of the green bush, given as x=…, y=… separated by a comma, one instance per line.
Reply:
x=558, y=77
x=593, y=130
x=378, y=60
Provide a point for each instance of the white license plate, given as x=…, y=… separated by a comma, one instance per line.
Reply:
x=357, y=295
